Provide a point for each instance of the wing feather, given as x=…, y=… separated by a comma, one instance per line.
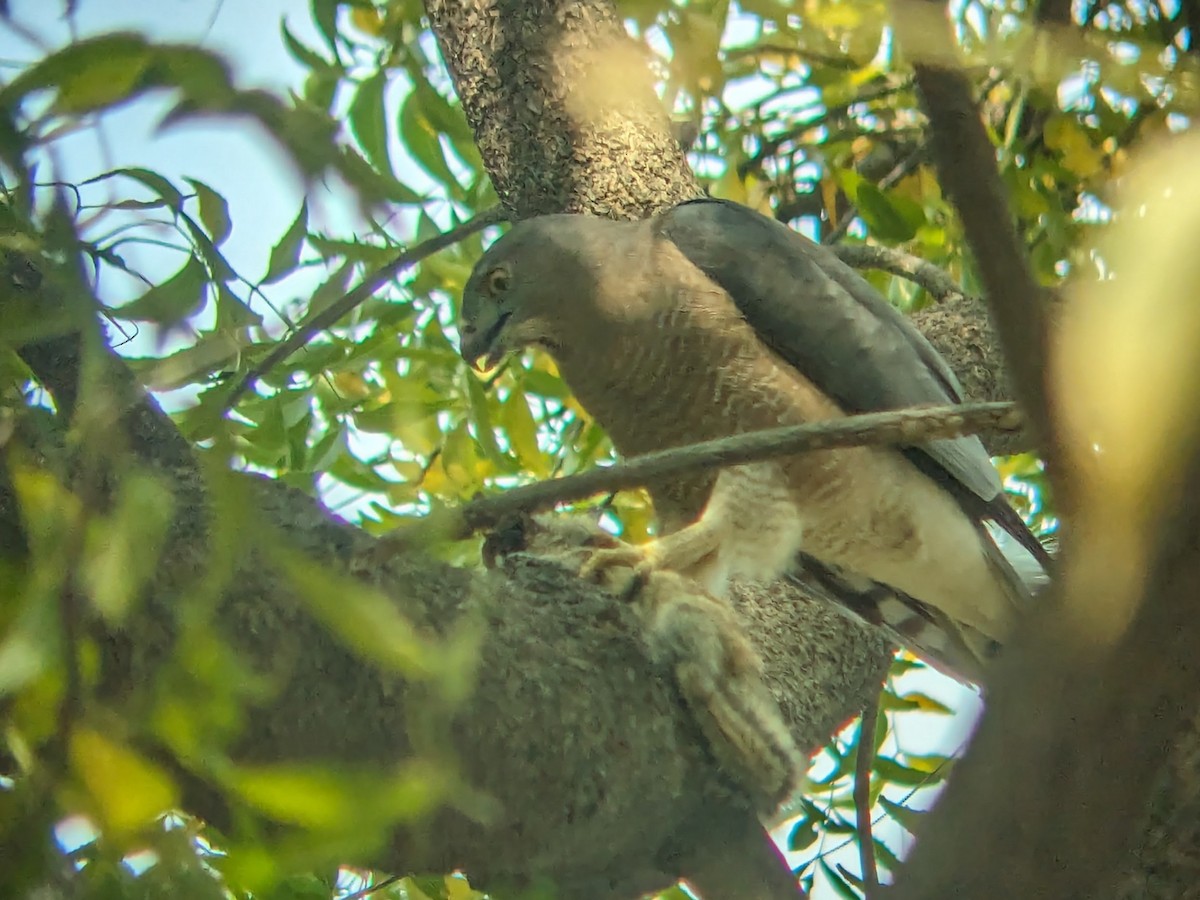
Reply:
x=825, y=319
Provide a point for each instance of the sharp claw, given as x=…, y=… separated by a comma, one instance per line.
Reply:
x=597, y=566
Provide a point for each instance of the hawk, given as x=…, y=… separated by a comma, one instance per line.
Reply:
x=710, y=319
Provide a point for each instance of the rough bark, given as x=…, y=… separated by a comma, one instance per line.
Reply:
x=564, y=111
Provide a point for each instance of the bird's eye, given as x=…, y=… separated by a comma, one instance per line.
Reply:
x=498, y=281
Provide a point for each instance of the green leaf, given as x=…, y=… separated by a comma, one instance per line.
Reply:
x=324, y=13
x=421, y=140
x=174, y=300
x=803, y=835
x=286, y=253
x=908, y=776
x=909, y=818
x=218, y=267
x=232, y=312
x=367, y=621
x=371, y=182
x=214, y=351
x=122, y=552
x=521, y=429
x=214, y=211
x=368, y=120
x=302, y=53
x=882, y=216
x=88, y=75
x=153, y=180
x=445, y=118
x=838, y=881
x=481, y=418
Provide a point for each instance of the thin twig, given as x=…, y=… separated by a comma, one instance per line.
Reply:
x=368, y=286
x=863, y=763
x=912, y=268
x=899, y=427
x=372, y=888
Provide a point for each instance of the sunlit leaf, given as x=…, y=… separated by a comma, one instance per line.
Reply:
x=122, y=551
x=368, y=120
x=128, y=790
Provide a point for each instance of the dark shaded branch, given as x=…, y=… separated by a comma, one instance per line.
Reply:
x=1077, y=731
x=966, y=164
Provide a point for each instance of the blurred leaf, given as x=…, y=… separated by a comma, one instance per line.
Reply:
x=127, y=789
x=421, y=140
x=324, y=13
x=368, y=120
x=909, y=818
x=304, y=55
x=884, y=216
x=214, y=211
x=122, y=549
x=522, y=432
x=286, y=253
x=366, y=620
x=803, y=835
x=839, y=883
x=153, y=180
x=177, y=298
x=88, y=75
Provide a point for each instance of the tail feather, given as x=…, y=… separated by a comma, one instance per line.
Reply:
x=950, y=647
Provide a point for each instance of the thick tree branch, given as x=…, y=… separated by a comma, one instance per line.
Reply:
x=562, y=105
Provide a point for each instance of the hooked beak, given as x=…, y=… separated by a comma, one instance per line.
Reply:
x=481, y=340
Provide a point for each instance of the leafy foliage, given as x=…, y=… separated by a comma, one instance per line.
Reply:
x=808, y=114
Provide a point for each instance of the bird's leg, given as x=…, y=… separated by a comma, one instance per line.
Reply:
x=691, y=552
x=694, y=551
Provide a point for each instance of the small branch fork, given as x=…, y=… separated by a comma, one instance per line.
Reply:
x=907, y=426
x=326, y=317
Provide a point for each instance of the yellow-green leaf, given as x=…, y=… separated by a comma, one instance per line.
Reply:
x=366, y=620
x=522, y=434
x=127, y=789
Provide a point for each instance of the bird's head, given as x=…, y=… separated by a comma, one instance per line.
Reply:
x=510, y=299
x=533, y=285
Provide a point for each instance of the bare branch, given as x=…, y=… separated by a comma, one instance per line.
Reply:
x=909, y=426
x=326, y=317
x=905, y=265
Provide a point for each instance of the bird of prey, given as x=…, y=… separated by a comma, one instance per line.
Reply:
x=710, y=319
